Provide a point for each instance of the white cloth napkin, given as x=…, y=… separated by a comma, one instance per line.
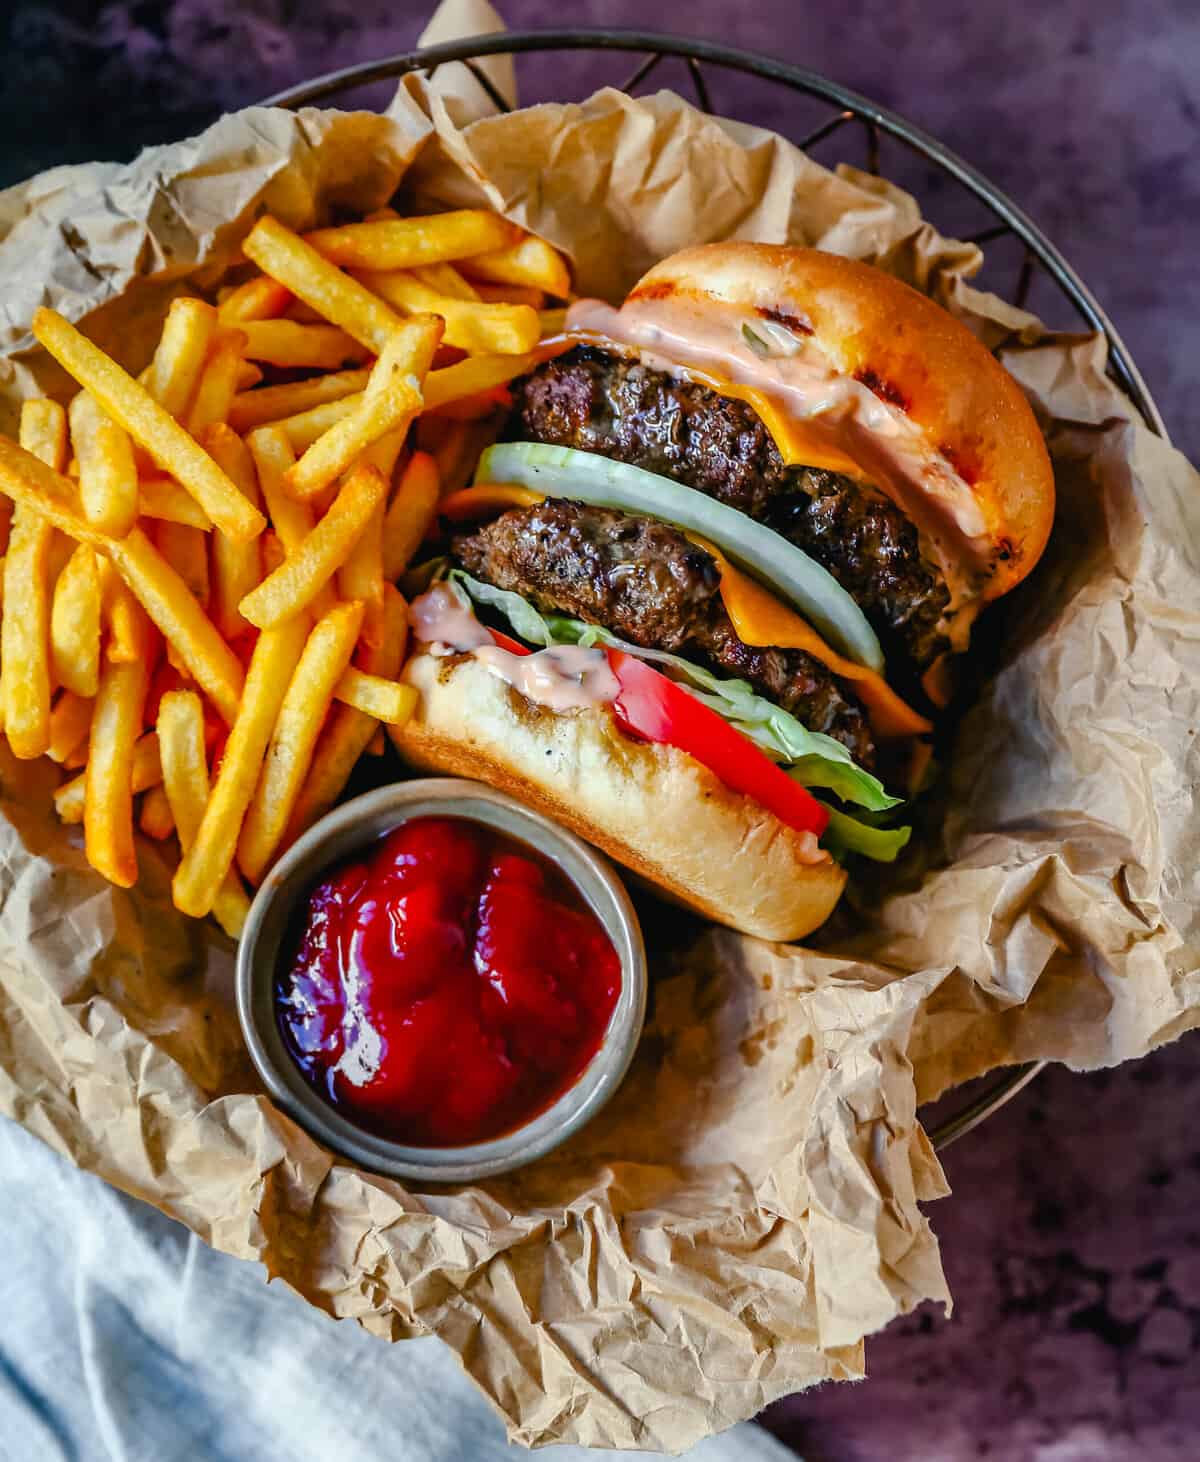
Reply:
x=126, y=1338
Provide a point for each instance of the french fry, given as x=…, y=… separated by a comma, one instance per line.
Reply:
x=75, y=626
x=69, y=723
x=236, y=567
x=385, y=700
x=207, y=862
x=108, y=777
x=469, y=377
x=271, y=403
x=248, y=375
x=329, y=456
x=510, y=294
x=445, y=279
x=552, y=322
x=133, y=408
x=313, y=563
x=408, y=354
x=156, y=819
x=286, y=343
x=361, y=576
x=258, y=299
x=108, y=481
x=185, y=785
x=326, y=655
x=218, y=382
x=184, y=625
x=121, y=615
x=347, y=732
x=285, y=256
x=377, y=744
x=162, y=497
x=44, y=432
x=410, y=514
x=186, y=550
x=182, y=351
x=305, y=427
x=293, y=521
x=145, y=772
x=532, y=261
x=399, y=243
x=470, y=324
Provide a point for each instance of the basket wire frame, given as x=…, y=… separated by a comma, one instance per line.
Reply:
x=849, y=109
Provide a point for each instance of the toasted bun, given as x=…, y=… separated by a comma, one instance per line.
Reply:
x=650, y=807
x=913, y=354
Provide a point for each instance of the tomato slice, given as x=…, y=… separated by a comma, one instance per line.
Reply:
x=656, y=709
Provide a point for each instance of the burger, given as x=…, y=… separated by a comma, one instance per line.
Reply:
x=704, y=601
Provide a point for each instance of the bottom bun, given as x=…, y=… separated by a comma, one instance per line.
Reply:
x=651, y=807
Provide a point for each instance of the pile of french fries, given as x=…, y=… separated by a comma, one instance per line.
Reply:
x=199, y=601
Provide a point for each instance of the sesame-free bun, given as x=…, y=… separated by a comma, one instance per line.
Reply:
x=651, y=807
x=911, y=353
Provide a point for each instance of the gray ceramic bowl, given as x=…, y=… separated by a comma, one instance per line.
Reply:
x=345, y=832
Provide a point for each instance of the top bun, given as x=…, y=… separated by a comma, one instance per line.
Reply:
x=910, y=352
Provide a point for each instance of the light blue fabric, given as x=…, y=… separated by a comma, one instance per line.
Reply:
x=123, y=1337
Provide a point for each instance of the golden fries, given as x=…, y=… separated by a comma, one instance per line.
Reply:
x=207, y=862
x=218, y=383
x=75, y=625
x=156, y=819
x=386, y=700
x=132, y=407
x=142, y=512
x=272, y=403
x=70, y=721
x=108, y=779
x=532, y=261
x=146, y=772
x=181, y=353
x=285, y=343
x=330, y=455
x=258, y=299
x=184, y=625
x=411, y=514
x=326, y=655
x=399, y=243
x=347, y=732
x=108, y=482
x=236, y=567
x=162, y=497
x=470, y=324
x=186, y=790
x=296, y=583
x=285, y=256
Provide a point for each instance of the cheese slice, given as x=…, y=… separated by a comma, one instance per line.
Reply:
x=757, y=616
x=762, y=620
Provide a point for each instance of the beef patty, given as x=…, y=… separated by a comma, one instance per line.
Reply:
x=646, y=582
x=622, y=409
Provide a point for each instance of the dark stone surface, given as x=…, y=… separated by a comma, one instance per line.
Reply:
x=1072, y=1241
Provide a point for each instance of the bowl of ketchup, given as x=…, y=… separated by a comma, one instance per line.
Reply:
x=440, y=982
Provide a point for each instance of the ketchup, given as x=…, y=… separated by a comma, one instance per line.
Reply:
x=448, y=987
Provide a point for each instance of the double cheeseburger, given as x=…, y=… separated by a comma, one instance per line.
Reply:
x=703, y=601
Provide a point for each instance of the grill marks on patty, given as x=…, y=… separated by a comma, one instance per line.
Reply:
x=622, y=409
x=646, y=582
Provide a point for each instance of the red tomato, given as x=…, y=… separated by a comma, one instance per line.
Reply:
x=656, y=709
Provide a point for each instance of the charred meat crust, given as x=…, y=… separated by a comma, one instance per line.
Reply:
x=622, y=409
x=646, y=582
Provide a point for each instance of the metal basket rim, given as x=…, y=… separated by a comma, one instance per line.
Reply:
x=852, y=104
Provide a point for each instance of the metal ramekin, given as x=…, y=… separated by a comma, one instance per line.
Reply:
x=348, y=830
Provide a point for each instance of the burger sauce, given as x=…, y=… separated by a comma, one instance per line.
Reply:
x=447, y=987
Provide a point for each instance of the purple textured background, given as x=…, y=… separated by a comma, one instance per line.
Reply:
x=1072, y=1241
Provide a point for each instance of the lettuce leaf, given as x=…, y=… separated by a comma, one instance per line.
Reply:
x=846, y=835
x=814, y=759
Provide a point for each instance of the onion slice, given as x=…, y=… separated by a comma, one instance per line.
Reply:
x=585, y=477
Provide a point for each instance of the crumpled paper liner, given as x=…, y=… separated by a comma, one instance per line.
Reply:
x=746, y=1210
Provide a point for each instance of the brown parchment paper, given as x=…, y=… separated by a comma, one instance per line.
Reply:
x=746, y=1210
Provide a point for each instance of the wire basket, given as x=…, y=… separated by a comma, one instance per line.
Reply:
x=1039, y=263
